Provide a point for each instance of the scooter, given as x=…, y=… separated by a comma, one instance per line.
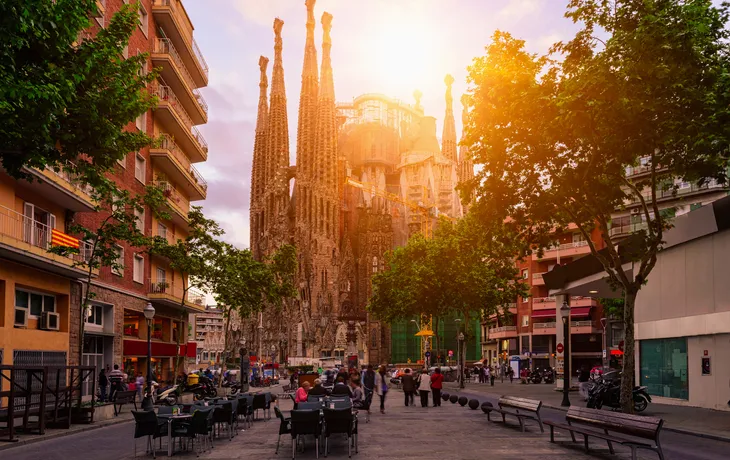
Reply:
x=168, y=395
x=548, y=376
x=235, y=387
x=608, y=392
x=535, y=376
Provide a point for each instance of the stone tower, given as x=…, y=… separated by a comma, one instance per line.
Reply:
x=277, y=160
x=466, y=164
x=324, y=221
x=258, y=174
x=448, y=139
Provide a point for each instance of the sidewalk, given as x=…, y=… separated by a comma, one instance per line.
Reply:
x=708, y=423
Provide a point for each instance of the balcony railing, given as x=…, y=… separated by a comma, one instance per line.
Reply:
x=165, y=46
x=199, y=55
x=622, y=229
x=544, y=325
x=672, y=193
x=497, y=330
x=26, y=229
x=188, y=32
x=581, y=323
x=543, y=300
x=162, y=286
x=168, y=144
x=164, y=93
x=174, y=197
x=197, y=297
x=72, y=179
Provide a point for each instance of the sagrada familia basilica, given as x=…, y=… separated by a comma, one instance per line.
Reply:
x=368, y=174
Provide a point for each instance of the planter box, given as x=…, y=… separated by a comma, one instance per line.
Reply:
x=86, y=415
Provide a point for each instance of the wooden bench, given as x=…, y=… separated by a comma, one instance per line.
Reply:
x=640, y=428
x=124, y=397
x=521, y=408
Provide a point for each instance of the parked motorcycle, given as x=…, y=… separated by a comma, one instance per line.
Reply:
x=607, y=391
x=548, y=375
x=168, y=395
x=535, y=376
x=235, y=387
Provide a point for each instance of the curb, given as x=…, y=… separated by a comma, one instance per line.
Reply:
x=62, y=434
x=684, y=431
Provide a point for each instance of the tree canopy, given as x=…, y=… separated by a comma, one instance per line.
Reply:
x=65, y=96
x=463, y=269
x=641, y=82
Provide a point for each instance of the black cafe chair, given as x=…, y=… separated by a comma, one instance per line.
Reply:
x=284, y=426
x=338, y=421
x=147, y=424
x=305, y=422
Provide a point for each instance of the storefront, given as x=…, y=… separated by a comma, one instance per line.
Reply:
x=663, y=367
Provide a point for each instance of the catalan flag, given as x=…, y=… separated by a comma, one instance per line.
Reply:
x=61, y=239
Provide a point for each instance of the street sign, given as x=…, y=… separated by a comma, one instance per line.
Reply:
x=451, y=353
x=560, y=348
x=427, y=354
x=604, y=353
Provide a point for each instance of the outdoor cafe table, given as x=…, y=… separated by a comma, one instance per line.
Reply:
x=170, y=419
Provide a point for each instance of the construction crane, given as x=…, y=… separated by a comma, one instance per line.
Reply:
x=427, y=212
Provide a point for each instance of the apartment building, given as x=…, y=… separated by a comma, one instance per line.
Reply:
x=209, y=333
x=116, y=330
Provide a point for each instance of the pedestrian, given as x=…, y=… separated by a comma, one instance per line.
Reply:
x=583, y=378
x=510, y=373
x=437, y=381
x=318, y=389
x=492, y=375
x=424, y=387
x=103, y=385
x=409, y=387
x=116, y=377
x=381, y=386
x=302, y=393
x=358, y=399
x=341, y=388
x=140, y=385
x=368, y=380
x=487, y=373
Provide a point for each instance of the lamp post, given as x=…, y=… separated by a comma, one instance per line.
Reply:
x=604, y=322
x=149, y=314
x=565, y=317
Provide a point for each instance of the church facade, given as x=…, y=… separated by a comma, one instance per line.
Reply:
x=368, y=174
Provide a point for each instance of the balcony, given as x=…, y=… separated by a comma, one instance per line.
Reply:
x=544, y=328
x=543, y=303
x=27, y=241
x=583, y=327
x=171, y=160
x=502, y=332
x=171, y=16
x=171, y=294
x=59, y=187
x=626, y=229
x=684, y=189
x=578, y=248
x=172, y=114
x=537, y=279
x=176, y=75
x=179, y=205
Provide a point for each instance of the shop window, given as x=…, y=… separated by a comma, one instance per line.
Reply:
x=157, y=328
x=36, y=302
x=176, y=328
x=664, y=367
x=131, y=323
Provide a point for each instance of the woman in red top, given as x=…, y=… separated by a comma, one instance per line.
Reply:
x=437, y=380
x=301, y=395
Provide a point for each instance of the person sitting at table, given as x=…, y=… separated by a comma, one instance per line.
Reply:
x=358, y=398
x=302, y=392
x=341, y=388
x=318, y=389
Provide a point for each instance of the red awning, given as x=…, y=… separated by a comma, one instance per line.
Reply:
x=550, y=312
x=617, y=353
x=580, y=311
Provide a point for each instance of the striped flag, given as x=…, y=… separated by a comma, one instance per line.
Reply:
x=61, y=239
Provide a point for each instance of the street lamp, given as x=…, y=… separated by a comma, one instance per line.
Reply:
x=604, y=353
x=149, y=314
x=565, y=317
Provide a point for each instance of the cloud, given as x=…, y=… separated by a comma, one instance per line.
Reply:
x=519, y=9
x=263, y=12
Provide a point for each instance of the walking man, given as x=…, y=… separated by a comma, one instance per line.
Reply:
x=409, y=387
x=103, y=385
x=437, y=380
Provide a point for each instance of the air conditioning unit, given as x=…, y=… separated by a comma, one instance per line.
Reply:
x=21, y=317
x=50, y=321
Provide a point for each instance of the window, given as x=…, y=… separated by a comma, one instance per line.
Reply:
x=578, y=237
x=143, y=20
x=139, y=217
x=132, y=321
x=35, y=301
x=95, y=316
x=139, y=167
x=141, y=122
x=664, y=367
x=123, y=162
x=161, y=230
x=525, y=273
x=375, y=265
x=525, y=321
x=118, y=267
x=138, y=268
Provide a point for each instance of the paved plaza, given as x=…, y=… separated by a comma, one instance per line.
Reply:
x=447, y=432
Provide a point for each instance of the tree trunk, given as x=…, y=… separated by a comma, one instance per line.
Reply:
x=226, y=331
x=627, y=377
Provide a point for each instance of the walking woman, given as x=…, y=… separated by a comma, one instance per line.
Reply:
x=409, y=387
x=381, y=386
x=437, y=380
x=424, y=387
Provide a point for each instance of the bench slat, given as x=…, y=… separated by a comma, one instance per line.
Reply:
x=639, y=426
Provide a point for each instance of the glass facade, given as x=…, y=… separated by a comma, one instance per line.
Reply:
x=664, y=367
x=406, y=345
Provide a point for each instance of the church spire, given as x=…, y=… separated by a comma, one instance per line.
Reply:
x=449, y=135
x=307, y=102
x=258, y=172
x=326, y=137
x=466, y=164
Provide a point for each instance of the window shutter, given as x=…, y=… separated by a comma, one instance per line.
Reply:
x=28, y=212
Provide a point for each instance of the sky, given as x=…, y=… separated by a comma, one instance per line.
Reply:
x=378, y=46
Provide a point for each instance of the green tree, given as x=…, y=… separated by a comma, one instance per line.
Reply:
x=66, y=97
x=194, y=257
x=464, y=270
x=641, y=80
x=99, y=245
